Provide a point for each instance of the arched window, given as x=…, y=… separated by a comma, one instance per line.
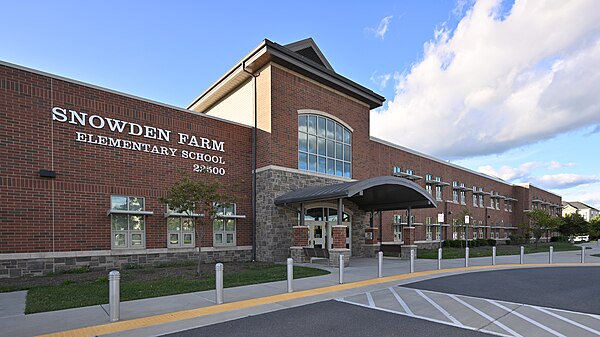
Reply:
x=324, y=146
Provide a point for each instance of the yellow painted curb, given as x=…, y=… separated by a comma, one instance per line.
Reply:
x=215, y=309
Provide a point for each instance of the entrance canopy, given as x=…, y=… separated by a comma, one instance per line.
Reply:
x=383, y=193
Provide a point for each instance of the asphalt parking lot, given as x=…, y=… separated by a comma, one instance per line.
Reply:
x=568, y=288
x=512, y=302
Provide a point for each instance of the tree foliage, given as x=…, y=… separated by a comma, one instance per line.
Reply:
x=539, y=222
x=196, y=195
x=595, y=227
x=574, y=224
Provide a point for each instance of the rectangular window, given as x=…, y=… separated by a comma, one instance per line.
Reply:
x=475, y=200
x=454, y=229
x=455, y=196
x=180, y=231
x=428, y=235
x=224, y=225
x=481, y=200
x=428, y=188
x=438, y=192
x=463, y=198
x=128, y=227
x=397, y=227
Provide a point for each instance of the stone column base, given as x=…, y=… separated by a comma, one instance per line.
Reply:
x=297, y=253
x=334, y=257
x=371, y=250
x=405, y=251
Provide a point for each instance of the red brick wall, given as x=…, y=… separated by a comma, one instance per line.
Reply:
x=88, y=174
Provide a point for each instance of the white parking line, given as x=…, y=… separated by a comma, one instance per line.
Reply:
x=370, y=299
x=536, y=323
x=438, y=307
x=486, y=316
x=401, y=301
x=596, y=332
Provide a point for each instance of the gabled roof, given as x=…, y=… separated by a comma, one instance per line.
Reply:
x=578, y=205
x=307, y=60
x=309, y=49
x=383, y=193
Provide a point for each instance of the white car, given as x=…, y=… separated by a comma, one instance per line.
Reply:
x=581, y=238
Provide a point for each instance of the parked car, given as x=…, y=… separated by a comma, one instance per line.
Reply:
x=581, y=238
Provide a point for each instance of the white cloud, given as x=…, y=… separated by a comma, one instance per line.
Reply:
x=381, y=80
x=563, y=180
x=382, y=28
x=588, y=194
x=524, y=172
x=493, y=83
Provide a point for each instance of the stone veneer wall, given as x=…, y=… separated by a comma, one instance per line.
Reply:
x=43, y=266
x=274, y=230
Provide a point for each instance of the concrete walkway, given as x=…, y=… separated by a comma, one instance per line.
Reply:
x=14, y=323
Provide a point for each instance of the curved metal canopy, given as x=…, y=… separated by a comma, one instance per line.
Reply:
x=383, y=193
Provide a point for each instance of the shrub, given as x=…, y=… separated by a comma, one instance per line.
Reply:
x=560, y=238
x=491, y=242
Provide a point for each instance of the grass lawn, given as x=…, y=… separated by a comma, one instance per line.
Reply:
x=483, y=251
x=77, y=290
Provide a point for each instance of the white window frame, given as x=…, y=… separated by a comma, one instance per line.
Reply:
x=224, y=218
x=130, y=213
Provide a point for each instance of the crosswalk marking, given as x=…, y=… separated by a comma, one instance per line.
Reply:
x=438, y=307
x=479, y=306
x=486, y=316
x=532, y=321
x=401, y=301
x=567, y=320
x=370, y=299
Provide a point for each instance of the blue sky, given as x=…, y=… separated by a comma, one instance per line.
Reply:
x=506, y=88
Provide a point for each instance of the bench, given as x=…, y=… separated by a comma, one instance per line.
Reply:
x=316, y=254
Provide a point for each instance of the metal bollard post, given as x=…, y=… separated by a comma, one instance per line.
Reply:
x=290, y=274
x=583, y=254
x=380, y=264
x=342, y=269
x=114, y=295
x=493, y=255
x=466, y=257
x=219, y=279
x=439, y=258
x=522, y=256
x=412, y=260
x=550, y=255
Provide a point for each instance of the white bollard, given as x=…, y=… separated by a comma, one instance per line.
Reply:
x=412, y=260
x=550, y=255
x=380, y=264
x=439, y=258
x=290, y=274
x=522, y=255
x=583, y=254
x=114, y=295
x=219, y=281
x=493, y=255
x=342, y=269
x=466, y=257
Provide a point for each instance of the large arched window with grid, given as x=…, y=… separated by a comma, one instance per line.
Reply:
x=324, y=146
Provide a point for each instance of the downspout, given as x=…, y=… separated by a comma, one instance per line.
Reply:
x=254, y=133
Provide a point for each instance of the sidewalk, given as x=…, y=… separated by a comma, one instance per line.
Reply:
x=14, y=323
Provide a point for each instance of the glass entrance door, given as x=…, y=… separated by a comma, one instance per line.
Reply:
x=319, y=221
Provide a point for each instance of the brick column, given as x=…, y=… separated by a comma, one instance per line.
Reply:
x=408, y=235
x=338, y=236
x=300, y=238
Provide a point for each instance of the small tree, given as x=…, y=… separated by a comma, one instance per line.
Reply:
x=196, y=196
x=595, y=227
x=539, y=222
x=574, y=224
x=461, y=221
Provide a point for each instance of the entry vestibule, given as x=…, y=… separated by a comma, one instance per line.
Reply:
x=319, y=220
